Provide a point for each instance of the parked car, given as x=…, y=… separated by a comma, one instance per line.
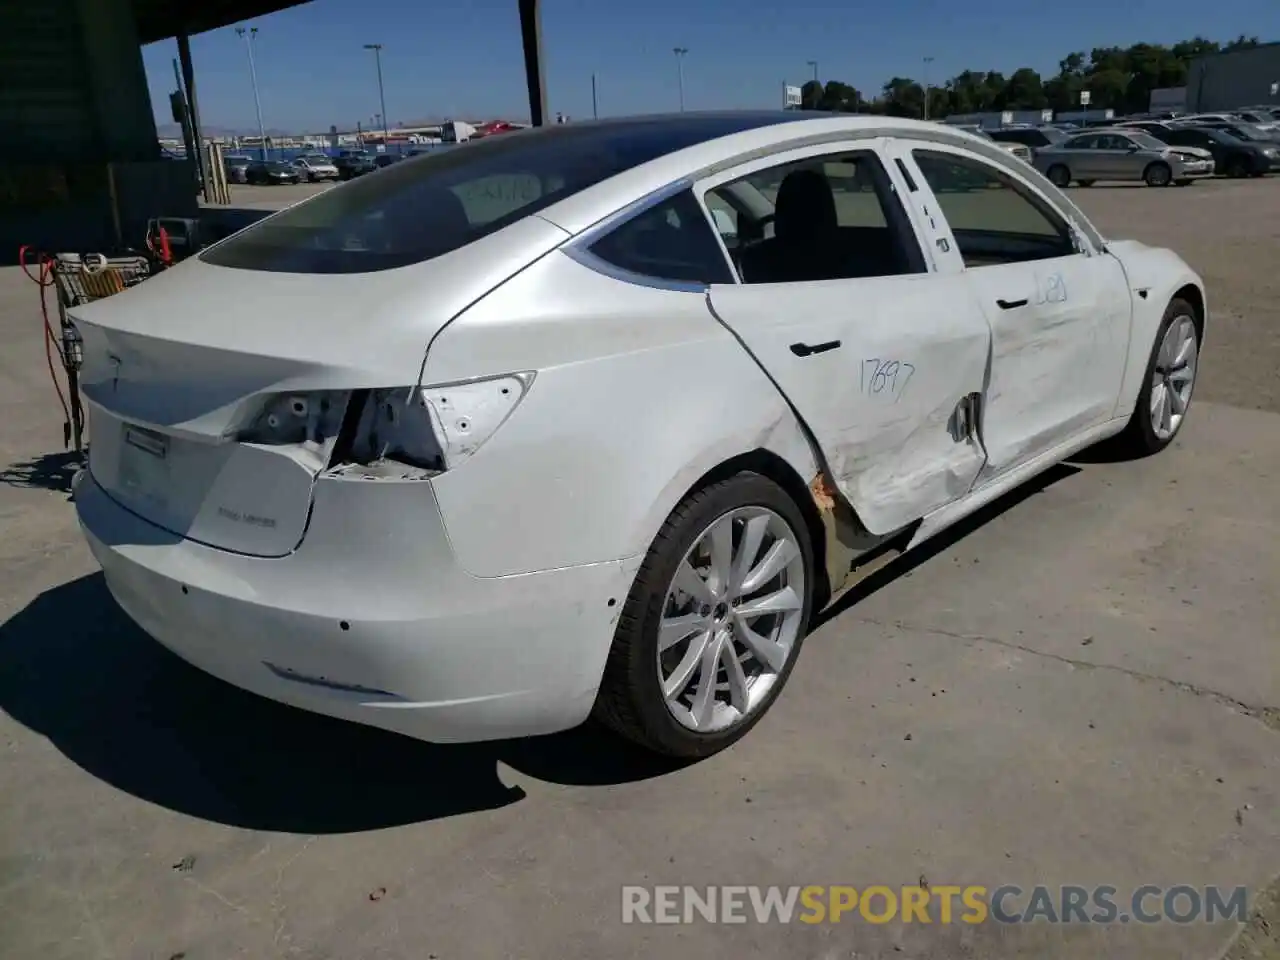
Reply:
x=315, y=166
x=1023, y=153
x=1033, y=138
x=237, y=168
x=1122, y=154
x=1153, y=127
x=484, y=444
x=386, y=159
x=351, y=165
x=270, y=172
x=1232, y=156
x=1248, y=132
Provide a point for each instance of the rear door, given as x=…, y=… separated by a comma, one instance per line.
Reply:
x=881, y=357
x=1059, y=309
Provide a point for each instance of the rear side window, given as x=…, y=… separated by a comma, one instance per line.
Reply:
x=670, y=241
x=430, y=205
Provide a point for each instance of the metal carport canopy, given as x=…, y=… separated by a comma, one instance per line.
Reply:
x=162, y=19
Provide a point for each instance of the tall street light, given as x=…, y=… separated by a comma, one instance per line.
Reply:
x=249, y=36
x=814, y=64
x=382, y=98
x=925, y=113
x=680, y=52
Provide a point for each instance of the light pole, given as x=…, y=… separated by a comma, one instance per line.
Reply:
x=382, y=99
x=925, y=113
x=249, y=36
x=595, y=104
x=680, y=52
x=814, y=64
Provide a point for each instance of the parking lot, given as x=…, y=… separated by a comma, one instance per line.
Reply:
x=1081, y=687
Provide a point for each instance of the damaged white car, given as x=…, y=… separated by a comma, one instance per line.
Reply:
x=595, y=418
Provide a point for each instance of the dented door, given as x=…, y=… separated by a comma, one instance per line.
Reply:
x=880, y=371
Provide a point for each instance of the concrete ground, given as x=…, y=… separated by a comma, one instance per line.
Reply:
x=1079, y=687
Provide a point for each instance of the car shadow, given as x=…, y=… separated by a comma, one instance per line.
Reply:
x=75, y=669
x=49, y=471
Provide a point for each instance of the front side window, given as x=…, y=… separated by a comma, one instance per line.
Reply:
x=433, y=204
x=670, y=241
x=994, y=219
x=833, y=217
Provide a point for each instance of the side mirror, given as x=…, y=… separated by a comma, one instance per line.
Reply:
x=1133, y=148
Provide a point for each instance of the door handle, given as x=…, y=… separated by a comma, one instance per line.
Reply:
x=806, y=349
x=1011, y=304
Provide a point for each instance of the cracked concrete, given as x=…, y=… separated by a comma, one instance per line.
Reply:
x=1088, y=679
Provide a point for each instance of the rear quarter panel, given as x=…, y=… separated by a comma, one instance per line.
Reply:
x=639, y=392
x=1155, y=276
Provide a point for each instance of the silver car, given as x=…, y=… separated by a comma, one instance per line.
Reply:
x=1122, y=154
x=315, y=166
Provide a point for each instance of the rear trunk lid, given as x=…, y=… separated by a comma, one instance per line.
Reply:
x=175, y=366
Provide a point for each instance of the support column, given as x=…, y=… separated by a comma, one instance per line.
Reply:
x=193, y=108
x=535, y=76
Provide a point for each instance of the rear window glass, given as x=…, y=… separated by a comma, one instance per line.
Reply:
x=430, y=205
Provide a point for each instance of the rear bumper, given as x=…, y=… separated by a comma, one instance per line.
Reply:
x=371, y=619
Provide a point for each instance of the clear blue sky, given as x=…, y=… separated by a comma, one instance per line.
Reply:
x=464, y=58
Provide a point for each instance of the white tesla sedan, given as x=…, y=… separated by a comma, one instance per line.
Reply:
x=595, y=417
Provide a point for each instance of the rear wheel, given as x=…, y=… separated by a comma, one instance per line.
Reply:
x=714, y=622
x=1059, y=176
x=1166, y=390
x=1238, y=167
x=1157, y=174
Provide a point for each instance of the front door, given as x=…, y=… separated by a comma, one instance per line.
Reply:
x=882, y=359
x=1058, y=309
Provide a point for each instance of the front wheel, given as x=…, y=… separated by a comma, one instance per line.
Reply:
x=714, y=621
x=1238, y=167
x=1158, y=175
x=1166, y=390
x=1059, y=176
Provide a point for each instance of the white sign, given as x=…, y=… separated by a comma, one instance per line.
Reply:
x=791, y=96
x=1275, y=88
x=1085, y=97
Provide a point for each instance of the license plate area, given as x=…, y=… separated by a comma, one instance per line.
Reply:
x=144, y=466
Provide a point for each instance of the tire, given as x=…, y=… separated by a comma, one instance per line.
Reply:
x=1157, y=174
x=1238, y=168
x=1086, y=183
x=631, y=700
x=1059, y=176
x=1142, y=437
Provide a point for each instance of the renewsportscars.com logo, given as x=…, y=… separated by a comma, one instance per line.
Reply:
x=932, y=904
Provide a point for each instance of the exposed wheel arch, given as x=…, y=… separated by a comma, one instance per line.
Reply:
x=1193, y=295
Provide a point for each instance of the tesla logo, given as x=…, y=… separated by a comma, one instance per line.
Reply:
x=115, y=371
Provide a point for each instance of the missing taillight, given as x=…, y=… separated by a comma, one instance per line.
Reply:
x=420, y=431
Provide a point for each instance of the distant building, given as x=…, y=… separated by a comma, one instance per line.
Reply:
x=1249, y=76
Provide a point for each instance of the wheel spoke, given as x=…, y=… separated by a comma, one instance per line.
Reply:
x=721, y=538
x=704, y=699
x=691, y=582
x=1157, y=401
x=1166, y=411
x=775, y=560
x=769, y=652
x=1181, y=375
x=675, y=684
x=674, y=629
x=737, y=678
x=748, y=549
x=1177, y=405
x=780, y=601
x=1183, y=354
x=1165, y=360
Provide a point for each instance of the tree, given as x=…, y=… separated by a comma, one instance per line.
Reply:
x=1120, y=78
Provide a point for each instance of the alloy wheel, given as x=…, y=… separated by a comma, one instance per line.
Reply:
x=731, y=619
x=1174, y=377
